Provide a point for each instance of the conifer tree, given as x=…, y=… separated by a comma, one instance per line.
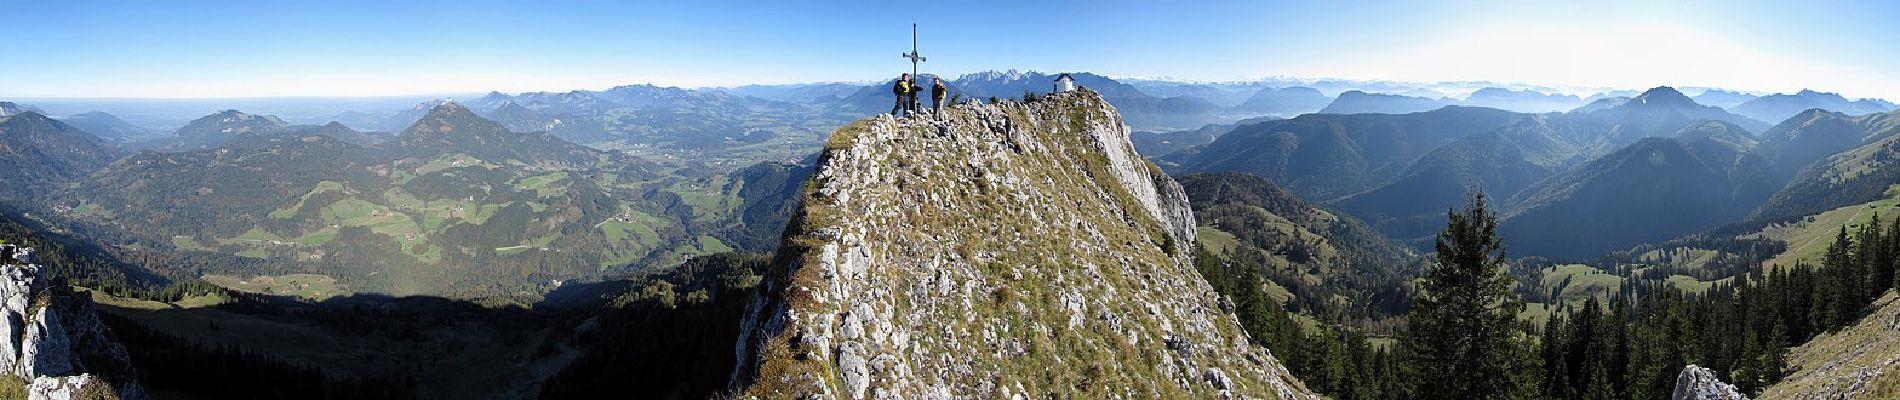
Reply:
x=1775, y=357
x=1552, y=348
x=1464, y=336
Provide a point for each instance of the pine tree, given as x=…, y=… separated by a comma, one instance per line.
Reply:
x=1321, y=366
x=1253, y=307
x=1600, y=387
x=1892, y=267
x=1463, y=326
x=1879, y=258
x=1584, y=348
x=1746, y=373
x=1619, y=346
x=1552, y=348
x=1832, y=290
x=1775, y=357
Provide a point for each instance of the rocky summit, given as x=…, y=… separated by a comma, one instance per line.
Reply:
x=1006, y=250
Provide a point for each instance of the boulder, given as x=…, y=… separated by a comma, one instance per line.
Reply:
x=1698, y=383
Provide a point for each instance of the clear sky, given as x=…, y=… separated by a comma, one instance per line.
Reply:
x=80, y=48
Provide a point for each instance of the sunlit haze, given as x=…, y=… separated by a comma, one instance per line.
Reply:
x=239, y=49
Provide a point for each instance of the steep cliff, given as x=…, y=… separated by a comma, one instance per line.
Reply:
x=1005, y=250
x=53, y=338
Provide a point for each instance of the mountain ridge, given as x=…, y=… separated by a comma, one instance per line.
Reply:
x=845, y=323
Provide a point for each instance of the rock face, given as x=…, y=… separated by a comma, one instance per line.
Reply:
x=1005, y=251
x=53, y=337
x=1697, y=383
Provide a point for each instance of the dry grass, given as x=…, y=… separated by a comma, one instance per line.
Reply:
x=1865, y=355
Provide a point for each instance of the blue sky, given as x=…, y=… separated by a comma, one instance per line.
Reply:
x=232, y=49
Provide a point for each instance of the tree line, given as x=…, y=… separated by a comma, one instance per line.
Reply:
x=174, y=366
x=1463, y=338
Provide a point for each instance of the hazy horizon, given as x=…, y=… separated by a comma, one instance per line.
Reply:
x=243, y=50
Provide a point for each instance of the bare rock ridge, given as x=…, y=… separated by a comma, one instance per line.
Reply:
x=1011, y=250
x=53, y=338
x=1698, y=383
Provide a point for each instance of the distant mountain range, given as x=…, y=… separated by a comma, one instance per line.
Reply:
x=1779, y=107
x=1586, y=171
x=109, y=127
x=1324, y=156
x=1854, y=159
x=1653, y=190
x=1357, y=102
x=8, y=109
x=1224, y=95
x=214, y=130
x=41, y=154
x=453, y=192
x=1140, y=110
x=1723, y=98
x=1285, y=102
x=1521, y=100
x=797, y=93
x=643, y=115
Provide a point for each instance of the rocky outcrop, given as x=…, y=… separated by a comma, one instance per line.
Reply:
x=1698, y=383
x=1012, y=250
x=54, y=338
x=61, y=388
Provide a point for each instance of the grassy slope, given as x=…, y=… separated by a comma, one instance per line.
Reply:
x=1860, y=361
x=1809, y=237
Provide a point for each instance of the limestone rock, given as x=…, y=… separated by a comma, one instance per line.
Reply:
x=54, y=337
x=59, y=388
x=1698, y=383
x=45, y=349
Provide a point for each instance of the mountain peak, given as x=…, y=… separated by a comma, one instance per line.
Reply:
x=510, y=106
x=1813, y=113
x=211, y=130
x=451, y=117
x=1664, y=95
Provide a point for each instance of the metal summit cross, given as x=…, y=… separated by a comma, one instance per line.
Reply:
x=912, y=55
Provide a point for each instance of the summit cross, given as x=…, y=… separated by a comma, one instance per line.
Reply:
x=912, y=55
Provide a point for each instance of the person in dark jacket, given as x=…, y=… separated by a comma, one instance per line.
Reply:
x=906, y=93
x=937, y=93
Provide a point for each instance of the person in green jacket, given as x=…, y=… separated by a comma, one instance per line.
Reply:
x=937, y=93
x=906, y=93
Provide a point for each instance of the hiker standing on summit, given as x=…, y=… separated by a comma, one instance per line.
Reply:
x=906, y=93
x=937, y=93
